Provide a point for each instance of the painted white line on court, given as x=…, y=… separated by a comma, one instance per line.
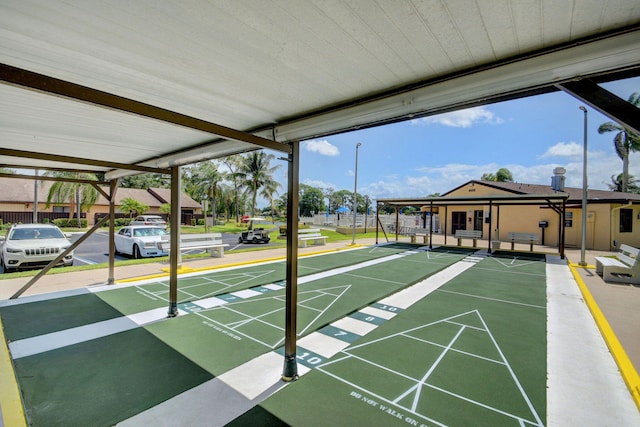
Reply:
x=34, y=345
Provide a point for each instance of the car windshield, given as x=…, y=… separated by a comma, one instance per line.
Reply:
x=36, y=233
x=140, y=232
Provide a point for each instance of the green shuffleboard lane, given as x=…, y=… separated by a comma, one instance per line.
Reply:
x=103, y=381
x=464, y=355
x=233, y=333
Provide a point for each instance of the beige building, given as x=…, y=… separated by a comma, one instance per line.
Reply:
x=17, y=198
x=611, y=216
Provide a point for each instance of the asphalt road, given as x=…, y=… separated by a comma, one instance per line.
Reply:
x=95, y=249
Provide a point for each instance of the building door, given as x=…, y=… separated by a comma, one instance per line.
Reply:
x=458, y=221
x=478, y=216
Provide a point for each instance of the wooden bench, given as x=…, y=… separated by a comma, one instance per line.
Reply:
x=310, y=235
x=468, y=234
x=624, y=268
x=529, y=238
x=415, y=232
x=209, y=241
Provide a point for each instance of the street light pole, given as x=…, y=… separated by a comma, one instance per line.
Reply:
x=355, y=197
x=584, y=192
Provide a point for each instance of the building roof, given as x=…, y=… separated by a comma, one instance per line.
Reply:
x=515, y=193
x=575, y=194
x=21, y=190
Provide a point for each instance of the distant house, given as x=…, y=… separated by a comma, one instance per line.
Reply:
x=17, y=198
x=611, y=216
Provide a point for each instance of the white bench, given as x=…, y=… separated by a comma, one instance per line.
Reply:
x=624, y=268
x=210, y=241
x=529, y=238
x=310, y=235
x=424, y=232
x=468, y=234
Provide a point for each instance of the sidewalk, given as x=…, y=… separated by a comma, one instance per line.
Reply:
x=619, y=303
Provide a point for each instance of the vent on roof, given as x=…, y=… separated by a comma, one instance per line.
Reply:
x=557, y=180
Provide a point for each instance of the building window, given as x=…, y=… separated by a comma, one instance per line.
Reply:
x=626, y=220
x=61, y=209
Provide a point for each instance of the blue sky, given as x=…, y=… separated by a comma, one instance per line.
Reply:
x=530, y=137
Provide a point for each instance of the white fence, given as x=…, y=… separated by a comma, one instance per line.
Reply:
x=405, y=222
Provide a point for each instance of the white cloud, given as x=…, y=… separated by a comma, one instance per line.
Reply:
x=319, y=183
x=322, y=147
x=429, y=180
x=564, y=149
x=462, y=118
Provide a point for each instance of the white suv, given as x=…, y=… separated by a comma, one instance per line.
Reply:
x=33, y=245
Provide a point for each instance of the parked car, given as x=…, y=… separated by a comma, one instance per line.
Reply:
x=149, y=220
x=33, y=245
x=140, y=241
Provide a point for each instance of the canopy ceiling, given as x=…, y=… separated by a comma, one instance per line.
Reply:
x=158, y=83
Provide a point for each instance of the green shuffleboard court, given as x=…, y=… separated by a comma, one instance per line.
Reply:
x=242, y=329
x=103, y=381
x=471, y=353
x=154, y=294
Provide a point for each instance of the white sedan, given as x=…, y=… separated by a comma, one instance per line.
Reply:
x=140, y=241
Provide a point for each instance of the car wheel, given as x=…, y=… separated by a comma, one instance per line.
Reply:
x=239, y=239
x=3, y=267
x=136, y=252
x=255, y=240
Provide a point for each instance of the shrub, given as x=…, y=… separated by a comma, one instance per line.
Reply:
x=70, y=223
x=121, y=222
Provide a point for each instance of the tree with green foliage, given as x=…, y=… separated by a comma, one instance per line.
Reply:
x=631, y=187
x=80, y=196
x=202, y=179
x=233, y=164
x=311, y=200
x=269, y=191
x=341, y=198
x=146, y=180
x=133, y=207
x=625, y=140
x=502, y=175
x=256, y=172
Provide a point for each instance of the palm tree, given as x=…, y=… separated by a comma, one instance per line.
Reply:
x=625, y=140
x=203, y=179
x=269, y=190
x=81, y=197
x=226, y=200
x=256, y=172
x=233, y=163
x=616, y=184
x=129, y=205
